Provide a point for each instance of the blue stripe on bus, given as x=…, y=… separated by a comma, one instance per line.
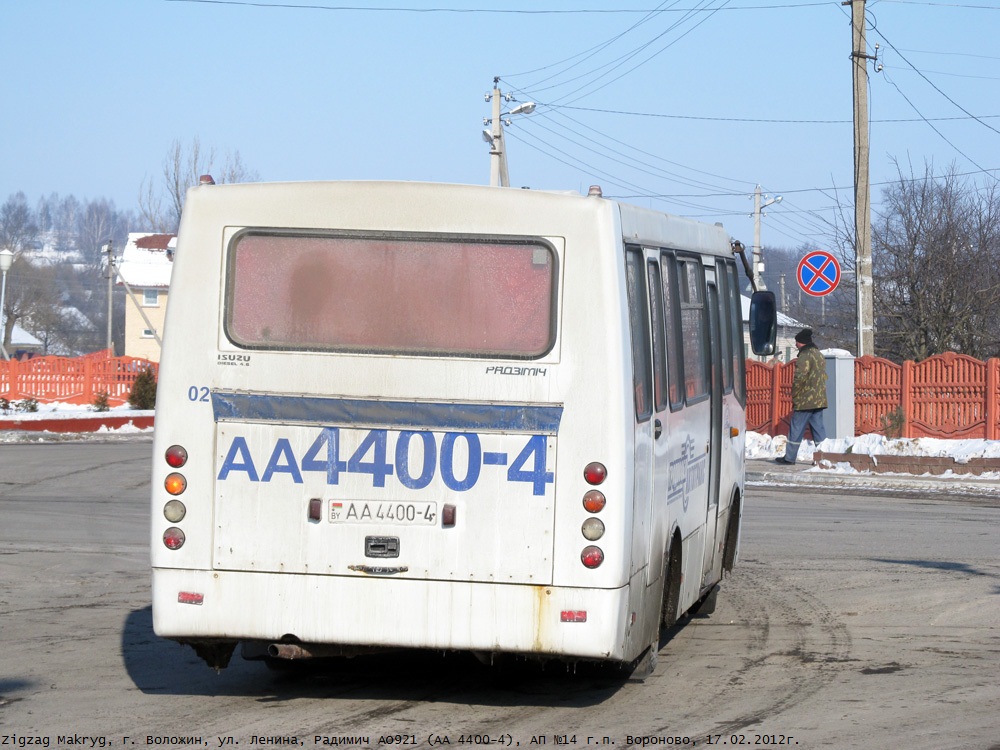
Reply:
x=401, y=414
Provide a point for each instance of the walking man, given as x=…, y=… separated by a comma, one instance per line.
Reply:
x=808, y=396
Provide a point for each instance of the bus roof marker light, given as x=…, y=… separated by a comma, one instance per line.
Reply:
x=595, y=473
x=591, y=557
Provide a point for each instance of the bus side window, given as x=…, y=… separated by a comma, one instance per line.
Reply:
x=638, y=317
x=671, y=320
x=736, y=323
x=691, y=284
x=656, y=319
x=726, y=330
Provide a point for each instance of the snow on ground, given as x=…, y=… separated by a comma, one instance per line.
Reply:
x=59, y=410
x=766, y=447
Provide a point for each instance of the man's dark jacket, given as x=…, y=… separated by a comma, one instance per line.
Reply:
x=809, y=384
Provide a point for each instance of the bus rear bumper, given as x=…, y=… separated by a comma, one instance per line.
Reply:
x=560, y=622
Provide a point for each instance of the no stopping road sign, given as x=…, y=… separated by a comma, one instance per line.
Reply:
x=818, y=273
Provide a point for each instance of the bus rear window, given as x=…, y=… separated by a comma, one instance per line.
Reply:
x=391, y=295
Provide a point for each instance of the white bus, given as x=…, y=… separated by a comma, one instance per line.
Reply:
x=404, y=415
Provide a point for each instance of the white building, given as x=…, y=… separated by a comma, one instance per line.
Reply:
x=146, y=265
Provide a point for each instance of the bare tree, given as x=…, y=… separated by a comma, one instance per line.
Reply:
x=151, y=213
x=183, y=166
x=17, y=223
x=98, y=222
x=934, y=270
x=30, y=292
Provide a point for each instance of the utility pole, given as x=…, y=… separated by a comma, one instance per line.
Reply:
x=758, y=260
x=498, y=152
x=494, y=136
x=109, y=249
x=862, y=193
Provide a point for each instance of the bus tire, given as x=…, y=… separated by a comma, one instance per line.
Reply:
x=672, y=585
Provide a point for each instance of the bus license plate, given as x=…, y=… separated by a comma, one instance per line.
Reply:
x=372, y=511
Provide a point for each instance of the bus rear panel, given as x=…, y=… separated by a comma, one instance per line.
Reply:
x=400, y=415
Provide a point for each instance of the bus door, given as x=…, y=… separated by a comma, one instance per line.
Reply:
x=715, y=439
x=642, y=392
x=659, y=314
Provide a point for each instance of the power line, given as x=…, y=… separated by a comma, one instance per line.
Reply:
x=934, y=86
x=769, y=121
x=505, y=11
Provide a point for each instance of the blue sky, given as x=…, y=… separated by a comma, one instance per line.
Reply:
x=666, y=109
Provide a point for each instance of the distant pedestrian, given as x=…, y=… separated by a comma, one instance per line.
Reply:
x=808, y=396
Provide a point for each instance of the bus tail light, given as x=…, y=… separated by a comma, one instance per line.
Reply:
x=592, y=529
x=176, y=456
x=173, y=538
x=594, y=501
x=190, y=597
x=174, y=511
x=175, y=483
x=595, y=473
x=591, y=557
x=573, y=615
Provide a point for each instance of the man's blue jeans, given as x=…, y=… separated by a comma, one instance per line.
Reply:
x=813, y=418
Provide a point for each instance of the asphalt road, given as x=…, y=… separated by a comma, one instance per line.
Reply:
x=851, y=621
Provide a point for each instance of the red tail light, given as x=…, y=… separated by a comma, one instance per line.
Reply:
x=173, y=538
x=591, y=557
x=595, y=473
x=176, y=456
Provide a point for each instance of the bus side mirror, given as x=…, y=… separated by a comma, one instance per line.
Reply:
x=763, y=323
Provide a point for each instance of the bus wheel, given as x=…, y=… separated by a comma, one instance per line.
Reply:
x=672, y=585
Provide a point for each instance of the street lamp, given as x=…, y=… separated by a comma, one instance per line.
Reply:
x=6, y=261
x=494, y=137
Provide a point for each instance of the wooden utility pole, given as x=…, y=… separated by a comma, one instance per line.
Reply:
x=862, y=191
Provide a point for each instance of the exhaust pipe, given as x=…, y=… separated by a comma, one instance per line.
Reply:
x=288, y=651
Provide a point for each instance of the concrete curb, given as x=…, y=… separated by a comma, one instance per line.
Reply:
x=806, y=476
x=76, y=424
x=884, y=464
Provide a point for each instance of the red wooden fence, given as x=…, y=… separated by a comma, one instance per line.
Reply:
x=945, y=396
x=74, y=380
